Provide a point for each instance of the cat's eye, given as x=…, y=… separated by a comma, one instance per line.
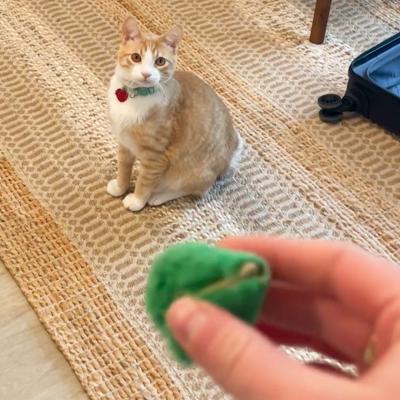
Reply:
x=160, y=61
x=136, y=58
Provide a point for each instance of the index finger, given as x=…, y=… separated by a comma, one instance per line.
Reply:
x=363, y=283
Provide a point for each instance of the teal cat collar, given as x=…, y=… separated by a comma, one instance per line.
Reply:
x=123, y=93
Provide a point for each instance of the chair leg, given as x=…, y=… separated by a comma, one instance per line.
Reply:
x=320, y=22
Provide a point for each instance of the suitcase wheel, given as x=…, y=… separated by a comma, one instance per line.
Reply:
x=333, y=106
x=329, y=101
x=330, y=117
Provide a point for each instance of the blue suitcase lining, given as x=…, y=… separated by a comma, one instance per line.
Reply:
x=383, y=70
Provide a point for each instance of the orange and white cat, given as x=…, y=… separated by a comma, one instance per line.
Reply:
x=172, y=122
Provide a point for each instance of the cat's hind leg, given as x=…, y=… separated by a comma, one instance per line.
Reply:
x=176, y=186
x=163, y=197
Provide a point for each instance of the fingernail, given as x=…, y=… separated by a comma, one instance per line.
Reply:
x=185, y=319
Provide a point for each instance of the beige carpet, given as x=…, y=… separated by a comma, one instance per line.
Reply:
x=81, y=259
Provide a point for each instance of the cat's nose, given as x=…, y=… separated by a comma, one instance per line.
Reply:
x=146, y=75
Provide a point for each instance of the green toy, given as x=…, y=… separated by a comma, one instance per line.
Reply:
x=234, y=281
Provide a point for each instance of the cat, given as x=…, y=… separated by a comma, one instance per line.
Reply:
x=171, y=121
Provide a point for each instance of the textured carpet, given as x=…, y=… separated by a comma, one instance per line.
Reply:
x=81, y=259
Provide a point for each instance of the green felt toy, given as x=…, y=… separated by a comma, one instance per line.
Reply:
x=234, y=281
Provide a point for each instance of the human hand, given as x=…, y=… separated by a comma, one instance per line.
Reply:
x=336, y=292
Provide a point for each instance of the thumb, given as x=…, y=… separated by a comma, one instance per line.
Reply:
x=244, y=362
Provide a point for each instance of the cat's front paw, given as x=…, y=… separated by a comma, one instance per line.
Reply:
x=114, y=189
x=133, y=203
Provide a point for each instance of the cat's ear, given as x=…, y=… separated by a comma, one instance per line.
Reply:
x=173, y=37
x=130, y=30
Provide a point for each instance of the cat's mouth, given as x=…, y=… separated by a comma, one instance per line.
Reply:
x=146, y=84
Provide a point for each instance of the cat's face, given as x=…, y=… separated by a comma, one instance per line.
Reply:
x=146, y=60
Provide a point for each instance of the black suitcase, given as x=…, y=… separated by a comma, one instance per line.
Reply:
x=373, y=89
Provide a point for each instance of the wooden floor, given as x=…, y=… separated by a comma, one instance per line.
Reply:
x=31, y=367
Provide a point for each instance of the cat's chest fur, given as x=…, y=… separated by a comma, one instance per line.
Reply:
x=128, y=115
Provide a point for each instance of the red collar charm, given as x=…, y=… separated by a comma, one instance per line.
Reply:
x=121, y=94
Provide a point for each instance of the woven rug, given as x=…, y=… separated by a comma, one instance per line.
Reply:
x=81, y=259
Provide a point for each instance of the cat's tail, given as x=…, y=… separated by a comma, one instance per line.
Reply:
x=237, y=154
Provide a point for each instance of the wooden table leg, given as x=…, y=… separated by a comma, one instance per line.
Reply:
x=321, y=15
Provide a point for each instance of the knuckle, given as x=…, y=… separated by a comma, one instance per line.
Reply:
x=393, y=317
x=386, y=329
